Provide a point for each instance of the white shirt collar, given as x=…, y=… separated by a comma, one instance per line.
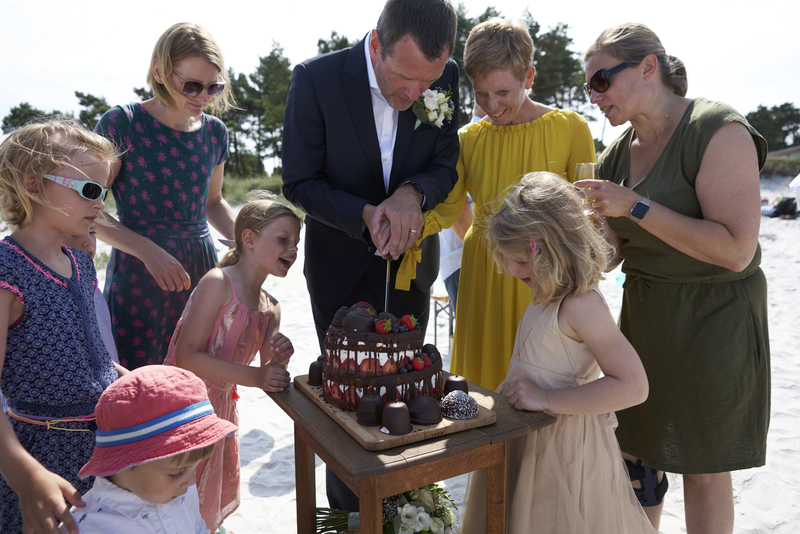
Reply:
x=373, y=82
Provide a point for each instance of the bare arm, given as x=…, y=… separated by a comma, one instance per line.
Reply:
x=162, y=266
x=464, y=220
x=41, y=493
x=211, y=294
x=218, y=212
x=276, y=348
x=624, y=384
x=728, y=191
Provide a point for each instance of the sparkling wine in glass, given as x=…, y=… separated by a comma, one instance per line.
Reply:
x=586, y=171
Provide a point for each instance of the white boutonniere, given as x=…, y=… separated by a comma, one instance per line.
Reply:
x=433, y=107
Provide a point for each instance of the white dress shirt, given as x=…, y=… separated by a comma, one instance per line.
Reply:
x=110, y=508
x=385, y=118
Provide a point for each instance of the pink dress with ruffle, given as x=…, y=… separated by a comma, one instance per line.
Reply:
x=237, y=335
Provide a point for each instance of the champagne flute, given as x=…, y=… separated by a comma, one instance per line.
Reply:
x=586, y=171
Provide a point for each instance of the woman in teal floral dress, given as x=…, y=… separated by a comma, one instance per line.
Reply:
x=169, y=183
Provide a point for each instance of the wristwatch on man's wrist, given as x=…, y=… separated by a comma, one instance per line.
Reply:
x=640, y=209
x=419, y=190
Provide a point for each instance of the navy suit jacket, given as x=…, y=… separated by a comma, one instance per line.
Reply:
x=332, y=168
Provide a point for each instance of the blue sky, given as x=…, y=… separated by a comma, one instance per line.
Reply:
x=745, y=54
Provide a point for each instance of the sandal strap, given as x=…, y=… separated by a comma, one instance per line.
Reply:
x=652, y=491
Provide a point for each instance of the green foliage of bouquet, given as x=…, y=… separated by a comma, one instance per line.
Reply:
x=426, y=510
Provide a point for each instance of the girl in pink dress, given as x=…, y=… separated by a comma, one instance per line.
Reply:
x=229, y=318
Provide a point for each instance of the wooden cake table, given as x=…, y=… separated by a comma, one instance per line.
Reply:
x=372, y=476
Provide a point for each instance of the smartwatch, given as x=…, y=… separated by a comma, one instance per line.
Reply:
x=640, y=209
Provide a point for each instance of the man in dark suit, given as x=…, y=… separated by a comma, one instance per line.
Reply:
x=363, y=189
x=357, y=163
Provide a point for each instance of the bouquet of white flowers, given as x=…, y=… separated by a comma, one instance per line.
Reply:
x=433, y=107
x=425, y=510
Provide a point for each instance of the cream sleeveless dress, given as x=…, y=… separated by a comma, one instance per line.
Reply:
x=568, y=477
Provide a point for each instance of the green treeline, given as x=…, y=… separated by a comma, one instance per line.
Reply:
x=255, y=127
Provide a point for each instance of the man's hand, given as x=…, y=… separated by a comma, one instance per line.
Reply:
x=401, y=215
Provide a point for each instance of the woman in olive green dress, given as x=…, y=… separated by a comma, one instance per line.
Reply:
x=682, y=204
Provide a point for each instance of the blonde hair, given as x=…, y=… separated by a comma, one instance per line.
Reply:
x=194, y=456
x=262, y=208
x=631, y=42
x=39, y=149
x=189, y=457
x=573, y=254
x=186, y=40
x=498, y=45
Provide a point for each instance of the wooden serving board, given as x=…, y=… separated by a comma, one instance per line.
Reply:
x=372, y=439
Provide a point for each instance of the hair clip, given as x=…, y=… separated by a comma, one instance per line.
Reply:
x=534, y=249
x=231, y=244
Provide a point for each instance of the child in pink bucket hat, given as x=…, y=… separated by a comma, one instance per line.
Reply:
x=154, y=425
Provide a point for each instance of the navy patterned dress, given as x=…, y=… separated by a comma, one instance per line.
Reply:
x=56, y=364
x=161, y=193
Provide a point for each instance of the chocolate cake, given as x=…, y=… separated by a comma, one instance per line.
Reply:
x=367, y=352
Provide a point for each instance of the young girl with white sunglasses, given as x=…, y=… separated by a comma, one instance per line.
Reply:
x=53, y=362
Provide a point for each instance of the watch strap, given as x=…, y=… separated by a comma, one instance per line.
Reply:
x=640, y=209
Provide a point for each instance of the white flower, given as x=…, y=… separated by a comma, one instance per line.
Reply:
x=450, y=518
x=437, y=526
x=408, y=514
x=406, y=529
x=430, y=99
x=426, y=499
x=433, y=107
x=423, y=520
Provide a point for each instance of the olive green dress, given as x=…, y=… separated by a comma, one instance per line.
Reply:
x=700, y=329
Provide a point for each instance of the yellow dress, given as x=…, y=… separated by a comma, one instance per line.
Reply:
x=493, y=158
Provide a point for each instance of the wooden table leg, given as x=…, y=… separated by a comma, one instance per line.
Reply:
x=497, y=495
x=306, y=489
x=370, y=506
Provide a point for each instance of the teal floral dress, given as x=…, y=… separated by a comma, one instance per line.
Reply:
x=160, y=193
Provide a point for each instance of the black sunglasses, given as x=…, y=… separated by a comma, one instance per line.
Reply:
x=193, y=88
x=85, y=188
x=601, y=79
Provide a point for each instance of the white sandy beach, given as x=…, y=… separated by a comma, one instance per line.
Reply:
x=767, y=499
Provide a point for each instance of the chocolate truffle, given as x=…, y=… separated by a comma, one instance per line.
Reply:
x=359, y=320
x=396, y=419
x=459, y=405
x=370, y=410
x=455, y=383
x=337, y=319
x=425, y=410
x=315, y=373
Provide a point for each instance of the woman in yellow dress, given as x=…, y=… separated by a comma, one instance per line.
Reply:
x=517, y=136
